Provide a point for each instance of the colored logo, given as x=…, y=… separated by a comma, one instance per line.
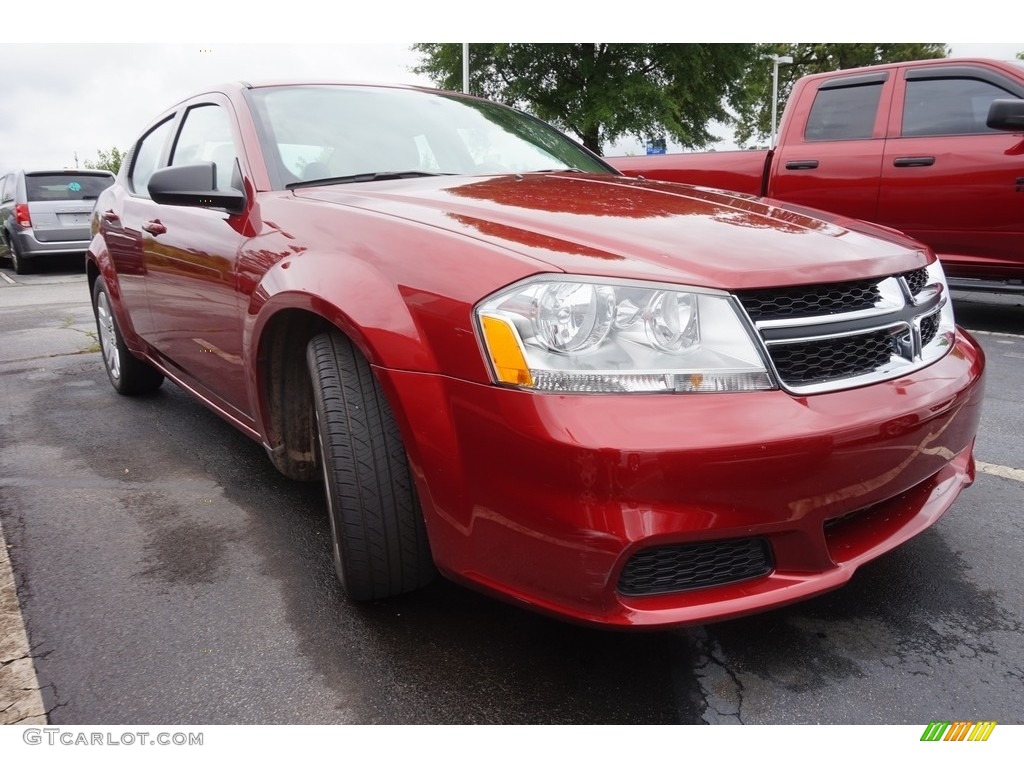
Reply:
x=961, y=730
x=74, y=186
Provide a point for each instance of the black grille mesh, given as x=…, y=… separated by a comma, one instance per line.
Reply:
x=916, y=280
x=817, y=361
x=810, y=300
x=929, y=327
x=681, y=567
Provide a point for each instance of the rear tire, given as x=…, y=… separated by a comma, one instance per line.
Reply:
x=379, y=539
x=21, y=265
x=128, y=374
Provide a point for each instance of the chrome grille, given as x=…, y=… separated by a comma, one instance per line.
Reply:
x=830, y=336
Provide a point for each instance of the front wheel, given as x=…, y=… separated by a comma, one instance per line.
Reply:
x=128, y=374
x=380, y=542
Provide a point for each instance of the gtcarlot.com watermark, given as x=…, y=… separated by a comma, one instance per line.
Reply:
x=73, y=738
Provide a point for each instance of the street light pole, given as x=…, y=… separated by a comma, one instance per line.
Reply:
x=465, y=67
x=776, y=60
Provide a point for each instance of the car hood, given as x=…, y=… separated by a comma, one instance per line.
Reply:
x=633, y=228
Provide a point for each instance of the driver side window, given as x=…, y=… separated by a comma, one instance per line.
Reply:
x=205, y=136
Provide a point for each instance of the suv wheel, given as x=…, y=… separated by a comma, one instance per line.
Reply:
x=20, y=264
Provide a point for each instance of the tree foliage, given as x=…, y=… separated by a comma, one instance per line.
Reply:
x=753, y=103
x=602, y=91
x=106, y=161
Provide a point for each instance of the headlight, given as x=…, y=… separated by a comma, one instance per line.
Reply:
x=581, y=334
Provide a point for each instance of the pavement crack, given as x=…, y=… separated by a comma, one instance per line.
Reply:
x=720, y=686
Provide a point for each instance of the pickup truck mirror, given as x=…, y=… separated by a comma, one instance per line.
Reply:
x=194, y=186
x=1006, y=115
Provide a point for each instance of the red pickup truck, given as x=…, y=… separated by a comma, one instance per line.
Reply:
x=933, y=148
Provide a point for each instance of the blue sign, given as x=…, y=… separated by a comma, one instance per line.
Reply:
x=656, y=146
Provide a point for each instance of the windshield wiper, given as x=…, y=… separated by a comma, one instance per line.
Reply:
x=358, y=177
x=569, y=169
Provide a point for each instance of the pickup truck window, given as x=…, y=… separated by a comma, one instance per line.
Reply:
x=949, y=106
x=843, y=113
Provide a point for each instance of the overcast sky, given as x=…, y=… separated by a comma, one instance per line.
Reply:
x=63, y=99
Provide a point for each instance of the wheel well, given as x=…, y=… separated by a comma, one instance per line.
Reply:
x=286, y=392
x=91, y=273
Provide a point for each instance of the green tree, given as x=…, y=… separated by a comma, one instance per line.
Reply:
x=753, y=101
x=107, y=161
x=602, y=91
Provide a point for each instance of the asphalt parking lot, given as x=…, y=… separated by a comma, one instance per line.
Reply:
x=168, y=574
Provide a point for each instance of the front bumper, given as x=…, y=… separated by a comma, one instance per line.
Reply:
x=543, y=498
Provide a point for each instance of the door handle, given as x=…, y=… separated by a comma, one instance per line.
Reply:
x=913, y=162
x=154, y=227
x=801, y=165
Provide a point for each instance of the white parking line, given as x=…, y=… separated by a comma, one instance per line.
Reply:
x=6, y=277
x=994, y=469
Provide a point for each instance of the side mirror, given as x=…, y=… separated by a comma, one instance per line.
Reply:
x=194, y=186
x=1006, y=115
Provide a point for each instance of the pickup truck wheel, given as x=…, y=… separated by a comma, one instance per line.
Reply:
x=128, y=374
x=380, y=542
x=18, y=262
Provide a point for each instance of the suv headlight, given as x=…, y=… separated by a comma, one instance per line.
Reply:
x=582, y=334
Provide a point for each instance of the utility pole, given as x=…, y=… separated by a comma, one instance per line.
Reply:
x=776, y=60
x=465, y=67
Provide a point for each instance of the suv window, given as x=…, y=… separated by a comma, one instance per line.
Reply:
x=65, y=186
x=205, y=136
x=843, y=113
x=148, y=153
x=949, y=106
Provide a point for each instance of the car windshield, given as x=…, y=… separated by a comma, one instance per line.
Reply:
x=65, y=186
x=361, y=133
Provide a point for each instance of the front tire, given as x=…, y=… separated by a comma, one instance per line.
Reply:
x=380, y=542
x=128, y=374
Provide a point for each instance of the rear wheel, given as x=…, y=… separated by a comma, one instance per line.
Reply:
x=21, y=265
x=380, y=542
x=128, y=374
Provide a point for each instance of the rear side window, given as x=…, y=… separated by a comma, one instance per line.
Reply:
x=843, y=113
x=147, y=156
x=65, y=186
x=949, y=106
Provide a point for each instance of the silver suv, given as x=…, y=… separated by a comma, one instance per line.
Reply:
x=46, y=213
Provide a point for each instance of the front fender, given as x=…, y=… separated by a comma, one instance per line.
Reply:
x=348, y=293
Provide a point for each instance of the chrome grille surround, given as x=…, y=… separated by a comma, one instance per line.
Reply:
x=827, y=337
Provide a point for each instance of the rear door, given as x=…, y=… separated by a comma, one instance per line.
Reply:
x=947, y=178
x=60, y=203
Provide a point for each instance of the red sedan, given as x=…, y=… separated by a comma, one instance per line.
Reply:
x=618, y=401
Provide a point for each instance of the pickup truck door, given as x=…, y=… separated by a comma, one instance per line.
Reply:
x=830, y=153
x=947, y=178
